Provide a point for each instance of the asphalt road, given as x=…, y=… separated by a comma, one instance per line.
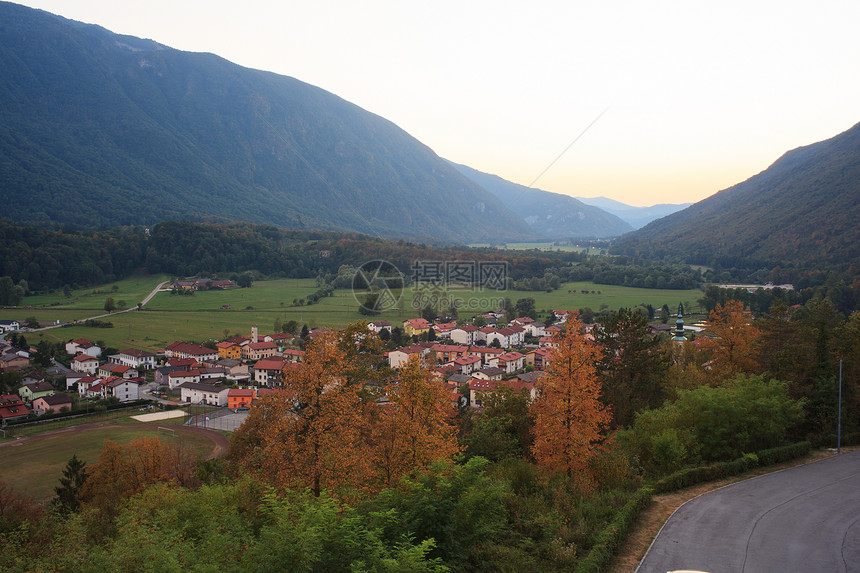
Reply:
x=804, y=519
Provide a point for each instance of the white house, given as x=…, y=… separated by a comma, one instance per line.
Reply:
x=85, y=364
x=9, y=325
x=134, y=358
x=378, y=326
x=124, y=389
x=83, y=346
x=464, y=334
x=511, y=361
x=399, y=356
x=198, y=392
x=467, y=364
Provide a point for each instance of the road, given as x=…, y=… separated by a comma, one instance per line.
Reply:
x=142, y=304
x=801, y=519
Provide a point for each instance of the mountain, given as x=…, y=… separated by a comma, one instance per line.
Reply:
x=98, y=129
x=637, y=217
x=802, y=211
x=551, y=215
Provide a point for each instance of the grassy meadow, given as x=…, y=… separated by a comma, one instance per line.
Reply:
x=35, y=466
x=205, y=315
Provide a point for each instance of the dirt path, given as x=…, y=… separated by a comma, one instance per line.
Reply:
x=221, y=442
x=662, y=506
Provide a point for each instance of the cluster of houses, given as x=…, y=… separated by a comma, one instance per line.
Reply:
x=36, y=395
x=193, y=370
x=201, y=284
x=480, y=358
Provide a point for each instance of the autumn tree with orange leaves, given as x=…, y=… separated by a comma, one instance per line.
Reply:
x=732, y=341
x=569, y=417
x=309, y=434
x=415, y=427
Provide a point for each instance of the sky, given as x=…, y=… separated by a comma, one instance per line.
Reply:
x=642, y=102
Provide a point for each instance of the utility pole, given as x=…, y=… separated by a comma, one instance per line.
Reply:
x=839, y=414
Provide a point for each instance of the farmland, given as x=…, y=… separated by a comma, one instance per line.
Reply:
x=212, y=314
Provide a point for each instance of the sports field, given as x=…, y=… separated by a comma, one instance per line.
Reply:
x=34, y=465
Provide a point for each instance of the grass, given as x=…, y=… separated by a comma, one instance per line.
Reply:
x=35, y=466
x=168, y=318
x=542, y=246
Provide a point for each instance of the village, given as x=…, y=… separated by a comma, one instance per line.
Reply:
x=470, y=359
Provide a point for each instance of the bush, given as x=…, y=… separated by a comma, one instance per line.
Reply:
x=614, y=533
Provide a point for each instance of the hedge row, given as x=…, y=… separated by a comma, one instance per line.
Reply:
x=614, y=533
x=692, y=476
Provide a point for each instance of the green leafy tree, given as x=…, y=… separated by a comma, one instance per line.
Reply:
x=110, y=304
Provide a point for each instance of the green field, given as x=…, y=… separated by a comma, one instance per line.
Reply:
x=201, y=316
x=540, y=246
x=35, y=466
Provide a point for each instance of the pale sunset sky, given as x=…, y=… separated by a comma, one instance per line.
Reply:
x=662, y=101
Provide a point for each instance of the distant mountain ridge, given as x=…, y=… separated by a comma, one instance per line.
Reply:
x=802, y=211
x=550, y=215
x=637, y=217
x=99, y=129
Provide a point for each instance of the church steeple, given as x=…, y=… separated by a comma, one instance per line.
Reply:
x=679, y=325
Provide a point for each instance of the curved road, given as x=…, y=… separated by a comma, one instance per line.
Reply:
x=804, y=519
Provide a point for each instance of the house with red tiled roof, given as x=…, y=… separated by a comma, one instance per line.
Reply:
x=12, y=408
x=399, y=356
x=447, y=352
x=467, y=364
x=444, y=329
x=477, y=387
x=539, y=358
x=83, y=346
x=293, y=355
x=415, y=326
x=187, y=350
x=85, y=363
x=511, y=361
x=186, y=363
x=240, y=397
x=120, y=370
x=229, y=350
x=268, y=371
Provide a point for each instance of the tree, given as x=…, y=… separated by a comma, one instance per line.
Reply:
x=504, y=428
x=308, y=435
x=110, y=304
x=416, y=427
x=632, y=365
x=245, y=280
x=525, y=307
x=68, y=492
x=733, y=340
x=569, y=417
x=43, y=354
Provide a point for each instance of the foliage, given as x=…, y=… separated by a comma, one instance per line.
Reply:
x=68, y=498
x=416, y=428
x=714, y=423
x=504, y=428
x=569, y=417
x=732, y=340
x=614, y=534
x=632, y=365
